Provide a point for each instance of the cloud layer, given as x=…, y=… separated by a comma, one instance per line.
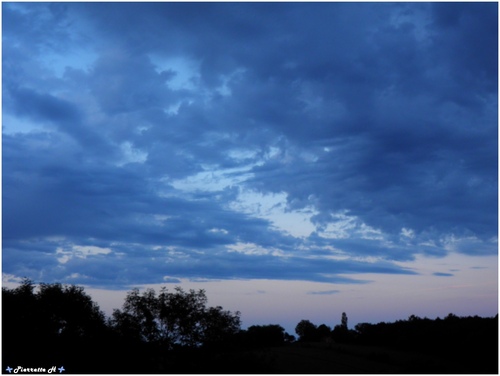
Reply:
x=145, y=142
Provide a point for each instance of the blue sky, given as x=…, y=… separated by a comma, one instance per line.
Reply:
x=314, y=156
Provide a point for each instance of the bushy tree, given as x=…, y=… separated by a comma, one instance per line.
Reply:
x=18, y=308
x=323, y=331
x=54, y=311
x=176, y=318
x=306, y=331
x=53, y=323
x=219, y=326
x=69, y=311
x=266, y=335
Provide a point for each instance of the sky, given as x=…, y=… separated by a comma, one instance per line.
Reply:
x=295, y=160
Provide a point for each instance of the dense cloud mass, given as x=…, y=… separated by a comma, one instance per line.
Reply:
x=147, y=142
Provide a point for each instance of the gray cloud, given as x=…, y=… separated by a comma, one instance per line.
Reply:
x=439, y=274
x=382, y=113
x=328, y=292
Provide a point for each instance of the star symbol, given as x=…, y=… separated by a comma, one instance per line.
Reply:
x=61, y=369
x=8, y=369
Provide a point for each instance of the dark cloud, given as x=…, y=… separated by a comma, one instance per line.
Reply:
x=44, y=107
x=94, y=201
x=129, y=265
x=124, y=83
x=134, y=128
x=469, y=35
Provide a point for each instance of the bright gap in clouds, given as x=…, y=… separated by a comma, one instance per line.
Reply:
x=13, y=125
x=186, y=71
x=273, y=207
x=131, y=154
x=211, y=180
x=81, y=59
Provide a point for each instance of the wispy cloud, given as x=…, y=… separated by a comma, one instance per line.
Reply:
x=328, y=292
x=440, y=274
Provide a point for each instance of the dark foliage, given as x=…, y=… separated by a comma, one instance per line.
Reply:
x=341, y=333
x=473, y=340
x=264, y=335
x=57, y=324
x=175, y=332
x=174, y=319
x=52, y=326
x=323, y=331
x=343, y=323
x=307, y=331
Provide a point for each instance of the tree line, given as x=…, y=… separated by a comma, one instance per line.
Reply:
x=176, y=332
x=165, y=332
x=469, y=341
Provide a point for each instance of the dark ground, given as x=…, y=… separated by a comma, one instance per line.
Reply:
x=331, y=358
x=295, y=358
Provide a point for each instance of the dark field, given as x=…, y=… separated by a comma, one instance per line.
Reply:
x=344, y=359
x=324, y=358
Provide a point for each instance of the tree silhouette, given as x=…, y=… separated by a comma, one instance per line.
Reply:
x=174, y=319
x=69, y=312
x=341, y=333
x=53, y=324
x=323, y=332
x=266, y=335
x=343, y=322
x=306, y=331
x=175, y=332
x=218, y=326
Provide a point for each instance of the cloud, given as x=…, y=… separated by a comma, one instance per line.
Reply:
x=439, y=274
x=313, y=142
x=44, y=107
x=329, y=292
